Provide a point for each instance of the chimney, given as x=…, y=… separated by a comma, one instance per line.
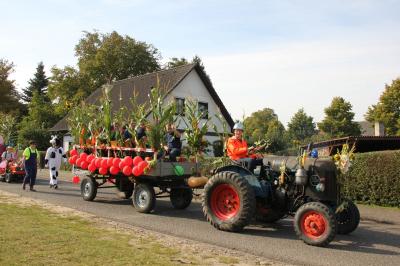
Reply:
x=379, y=129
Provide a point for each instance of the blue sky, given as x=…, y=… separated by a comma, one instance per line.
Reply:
x=278, y=54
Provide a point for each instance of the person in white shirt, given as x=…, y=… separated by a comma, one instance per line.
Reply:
x=8, y=154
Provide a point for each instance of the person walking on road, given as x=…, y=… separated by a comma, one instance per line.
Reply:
x=54, y=155
x=31, y=159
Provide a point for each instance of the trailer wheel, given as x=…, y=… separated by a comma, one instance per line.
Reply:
x=8, y=177
x=89, y=188
x=181, y=197
x=315, y=224
x=347, y=218
x=144, y=198
x=229, y=202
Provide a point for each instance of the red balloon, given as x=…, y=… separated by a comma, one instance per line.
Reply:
x=110, y=161
x=84, y=165
x=72, y=160
x=127, y=170
x=104, y=164
x=136, y=171
x=103, y=171
x=83, y=156
x=97, y=162
x=78, y=162
x=75, y=179
x=73, y=152
x=90, y=158
x=128, y=160
x=114, y=170
x=122, y=164
x=137, y=160
x=92, y=167
x=143, y=165
x=116, y=162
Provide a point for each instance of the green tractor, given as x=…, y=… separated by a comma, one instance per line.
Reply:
x=234, y=196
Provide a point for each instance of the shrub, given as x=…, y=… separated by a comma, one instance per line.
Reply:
x=374, y=178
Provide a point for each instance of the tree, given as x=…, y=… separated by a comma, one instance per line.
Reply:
x=8, y=123
x=175, y=62
x=108, y=57
x=8, y=92
x=36, y=124
x=338, y=121
x=301, y=126
x=38, y=83
x=264, y=124
x=387, y=110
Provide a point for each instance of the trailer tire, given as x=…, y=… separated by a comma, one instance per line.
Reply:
x=181, y=197
x=348, y=218
x=8, y=177
x=144, y=198
x=89, y=188
x=229, y=202
x=315, y=224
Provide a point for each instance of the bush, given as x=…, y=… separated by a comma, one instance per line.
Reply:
x=374, y=178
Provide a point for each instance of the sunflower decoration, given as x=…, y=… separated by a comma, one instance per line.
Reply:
x=344, y=158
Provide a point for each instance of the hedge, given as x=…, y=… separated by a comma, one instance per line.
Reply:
x=374, y=178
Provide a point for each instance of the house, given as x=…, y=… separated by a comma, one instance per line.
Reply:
x=181, y=83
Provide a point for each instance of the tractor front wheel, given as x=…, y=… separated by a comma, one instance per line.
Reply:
x=348, y=217
x=229, y=202
x=315, y=224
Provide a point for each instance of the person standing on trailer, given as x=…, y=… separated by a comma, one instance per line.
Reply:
x=54, y=155
x=31, y=159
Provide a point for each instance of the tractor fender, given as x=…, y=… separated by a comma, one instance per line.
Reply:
x=261, y=190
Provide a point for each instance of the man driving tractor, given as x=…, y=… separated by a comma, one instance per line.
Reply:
x=238, y=151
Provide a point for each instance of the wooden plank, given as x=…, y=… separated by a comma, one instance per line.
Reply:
x=167, y=168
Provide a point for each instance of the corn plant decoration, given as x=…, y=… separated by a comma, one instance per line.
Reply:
x=344, y=158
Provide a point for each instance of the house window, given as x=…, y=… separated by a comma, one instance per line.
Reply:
x=180, y=106
x=203, y=109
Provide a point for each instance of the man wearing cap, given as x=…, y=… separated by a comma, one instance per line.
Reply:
x=237, y=148
x=31, y=160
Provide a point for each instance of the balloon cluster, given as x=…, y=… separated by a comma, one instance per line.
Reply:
x=111, y=165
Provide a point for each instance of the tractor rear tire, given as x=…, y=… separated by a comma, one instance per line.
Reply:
x=8, y=177
x=181, y=197
x=229, y=202
x=89, y=188
x=315, y=224
x=348, y=218
x=144, y=198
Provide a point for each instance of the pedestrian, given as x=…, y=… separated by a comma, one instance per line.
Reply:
x=31, y=159
x=54, y=155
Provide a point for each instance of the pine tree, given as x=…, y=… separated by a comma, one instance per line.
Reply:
x=37, y=84
x=301, y=126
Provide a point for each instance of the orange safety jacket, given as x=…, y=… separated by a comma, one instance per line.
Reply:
x=236, y=149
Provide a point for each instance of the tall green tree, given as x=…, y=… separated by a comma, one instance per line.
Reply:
x=387, y=110
x=35, y=125
x=301, y=126
x=338, y=121
x=175, y=62
x=37, y=84
x=108, y=57
x=8, y=92
x=264, y=124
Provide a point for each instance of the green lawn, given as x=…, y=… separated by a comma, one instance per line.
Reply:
x=34, y=236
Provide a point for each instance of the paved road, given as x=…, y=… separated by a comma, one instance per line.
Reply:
x=373, y=243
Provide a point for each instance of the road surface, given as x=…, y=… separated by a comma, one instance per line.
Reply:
x=373, y=243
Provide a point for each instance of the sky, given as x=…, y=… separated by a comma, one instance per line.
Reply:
x=283, y=55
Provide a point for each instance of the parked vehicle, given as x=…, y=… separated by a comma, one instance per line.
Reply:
x=234, y=196
x=11, y=171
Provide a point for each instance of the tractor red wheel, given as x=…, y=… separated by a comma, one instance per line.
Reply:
x=229, y=202
x=315, y=224
x=225, y=202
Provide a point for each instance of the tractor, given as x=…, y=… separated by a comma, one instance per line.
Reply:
x=282, y=186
